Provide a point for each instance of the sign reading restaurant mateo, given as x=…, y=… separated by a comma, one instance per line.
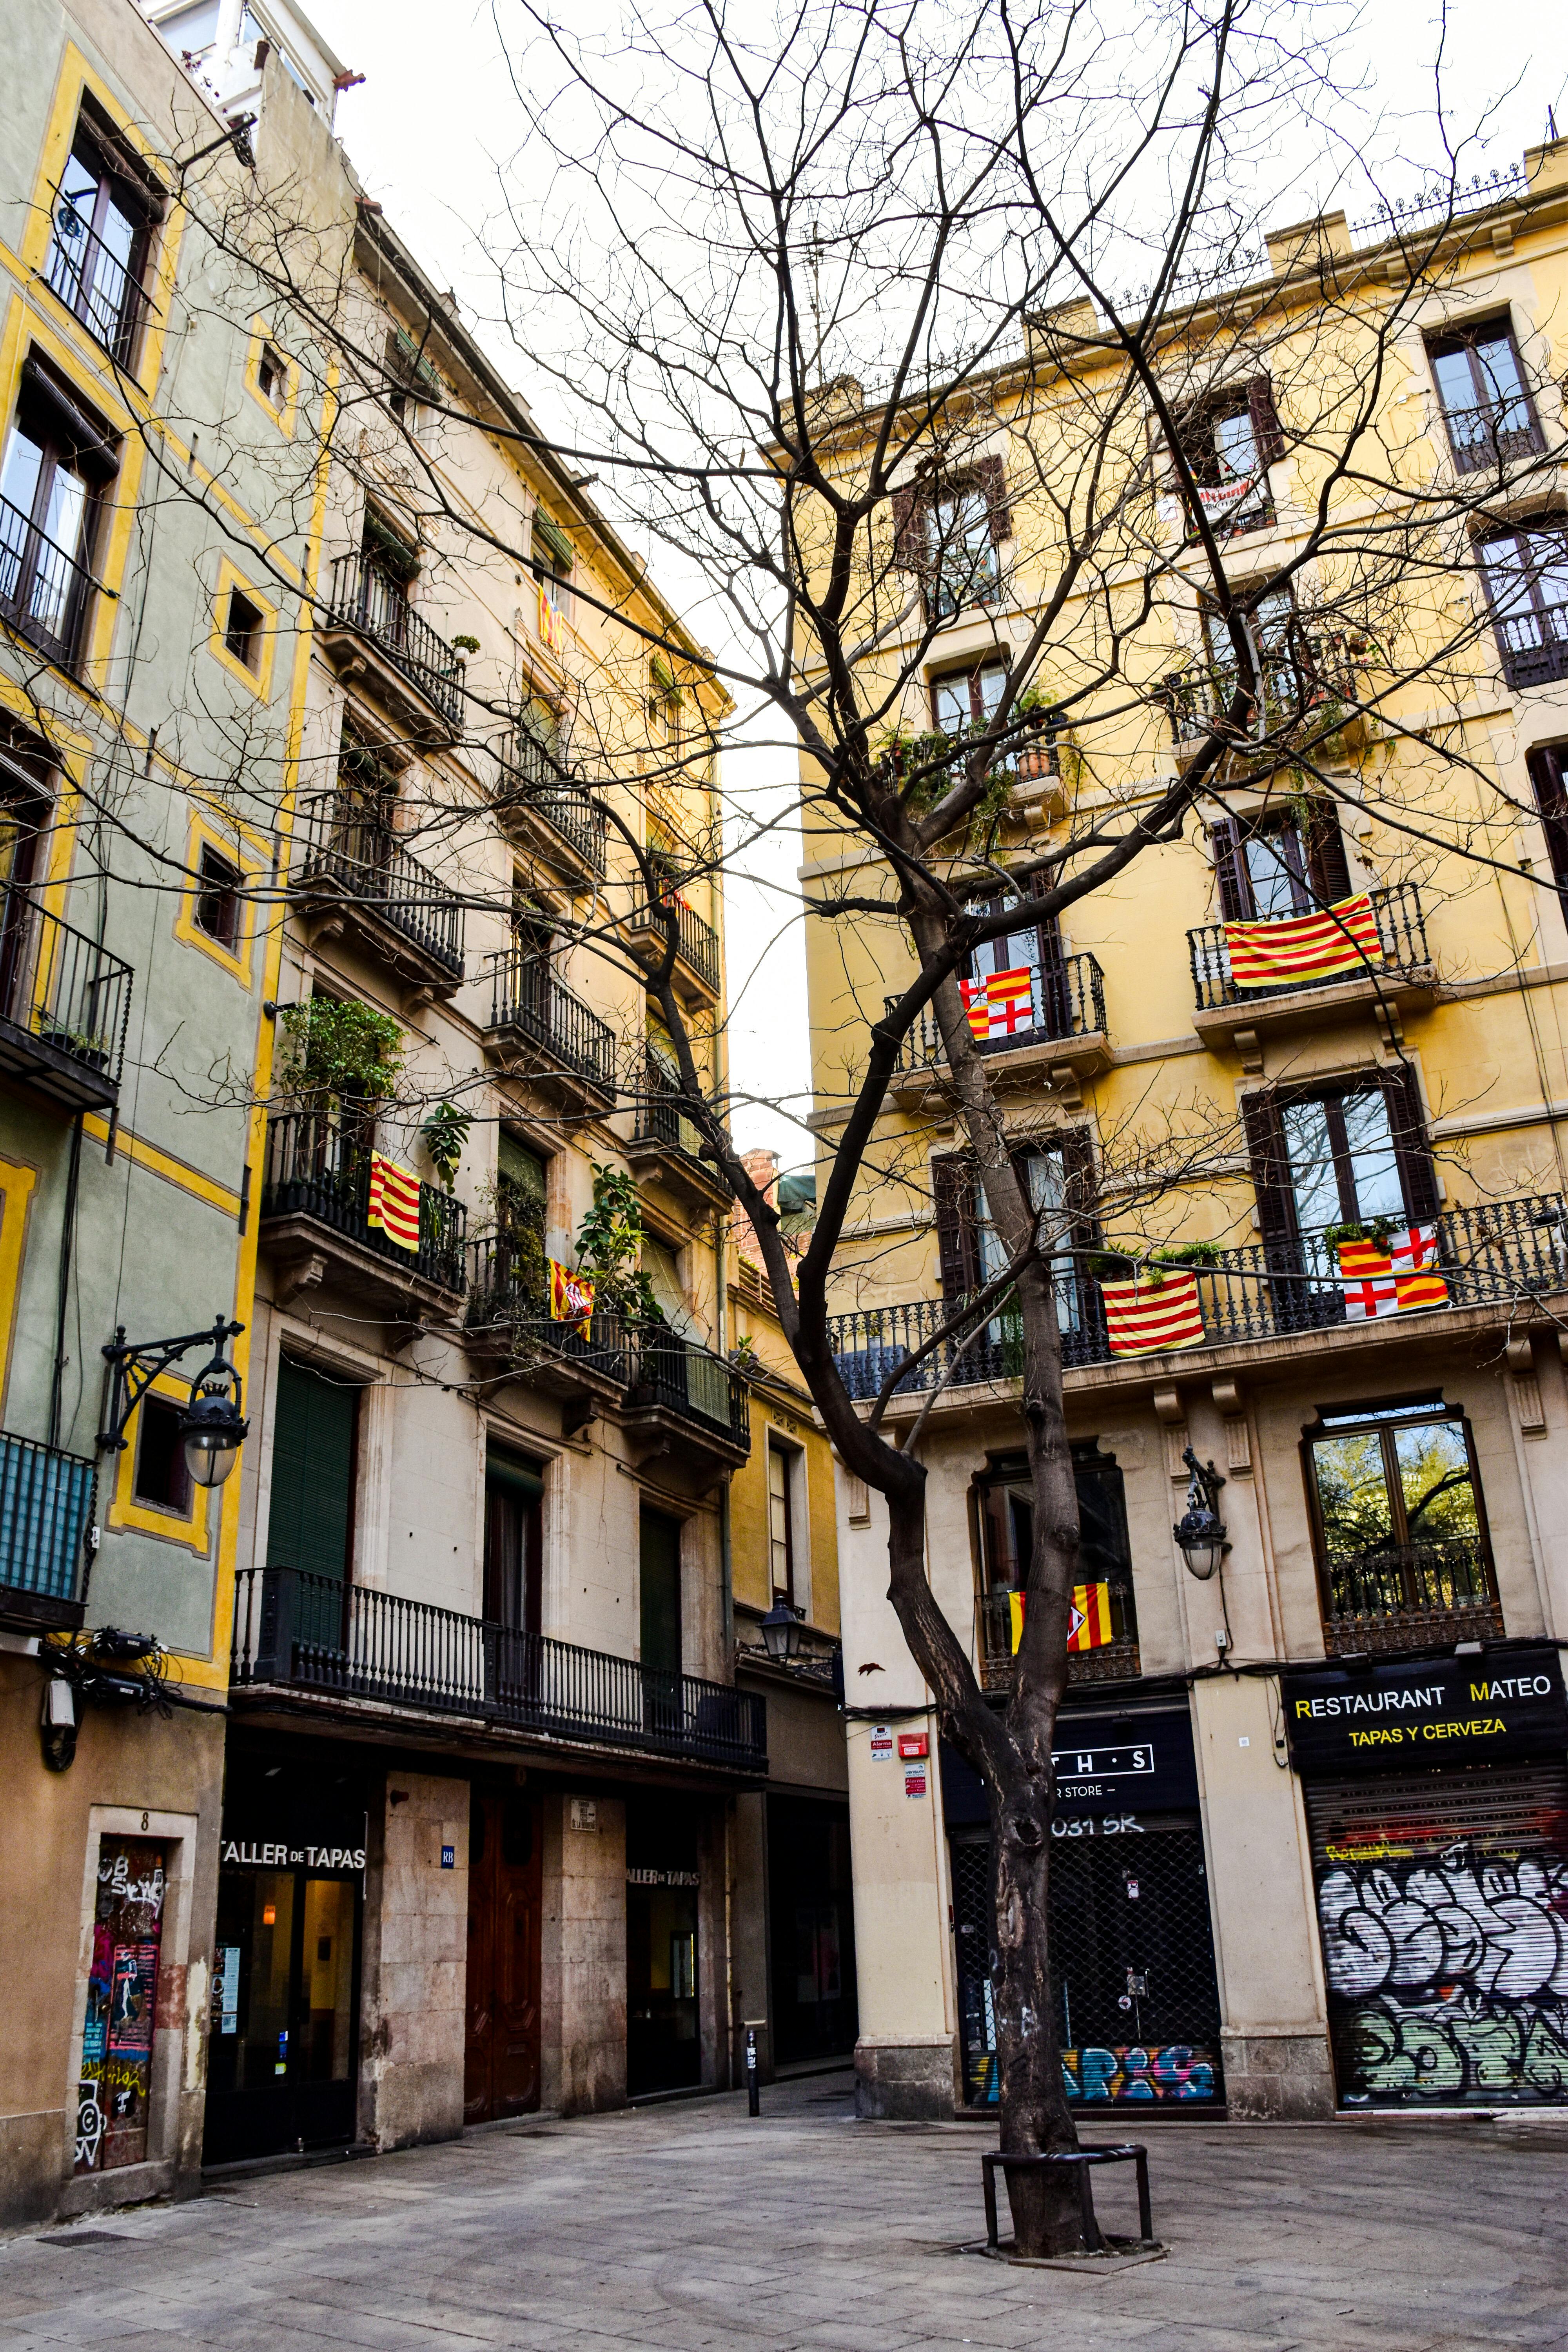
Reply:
x=1454, y=1710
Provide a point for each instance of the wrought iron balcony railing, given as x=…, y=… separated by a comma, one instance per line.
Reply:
x=61, y=988
x=45, y=1509
x=319, y=1167
x=43, y=589
x=530, y=779
x=1113, y=1662
x=93, y=283
x=525, y=994
x=349, y=1641
x=695, y=942
x=1068, y=1000
x=1401, y=1594
x=349, y=843
x=660, y=1118
x=366, y=597
x=1492, y=434
x=1493, y=1253
x=1533, y=643
x=1401, y=934
x=1308, y=686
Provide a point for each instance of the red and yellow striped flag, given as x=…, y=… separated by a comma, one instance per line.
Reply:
x=1343, y=938
x=1089, y=1618
x=393, y=1202
x=571, y=1298
x=1141, y=1320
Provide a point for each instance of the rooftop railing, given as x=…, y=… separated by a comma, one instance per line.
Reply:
x=366, y=597
x=1066, y=1000
x=1493, y=1253
x=1434, y=207
x=350, y=1641
x=45, y=1509
x=530, y=779
x=43, y=589
x=525, y=994
x=319, y=1167
x=62, y=988
x=350, y=842
x=1401, y=934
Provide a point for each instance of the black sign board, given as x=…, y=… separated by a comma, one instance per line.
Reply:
x=1106, y=1764
x=322, y=1840
x=1367, y=1718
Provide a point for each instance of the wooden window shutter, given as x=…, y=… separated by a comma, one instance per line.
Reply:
x=1411, y=1148
x=1234, y=901
x=957, y=1231
x=908, y=531
x=1265, y=420
x=1270, y=1168
x=1328, y=869
x=311, y=1518
x=1548, y=773
x=992, y=478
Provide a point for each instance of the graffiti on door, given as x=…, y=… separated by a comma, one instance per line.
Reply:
x=1449, y=1974
x=115, y=2080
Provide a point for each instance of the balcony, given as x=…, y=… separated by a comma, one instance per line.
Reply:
x=1409, y=1596
x=1496, y=434
x=373, y=632
x=1065, y=1041
x=348, y=1642
x=1493, y=1255
x=43, y=591
x=315, y=1220
x=538, y=802
x=1533, y=643
x=64, y=1006
x=698, y=970
x=540, y=1030
x=1310, y=691
x=94, y=284
x=649, y=1375
x=1402, y=981
x=665, y=1148
x=355, y=876
x=1113, y=1662
x=45, y=1509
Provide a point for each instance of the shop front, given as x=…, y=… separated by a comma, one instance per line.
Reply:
x=664, y=2040
x=282, y=2051
x=1132, y=1937
x=1437, y=1808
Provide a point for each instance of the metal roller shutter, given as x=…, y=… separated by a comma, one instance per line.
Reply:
x=1443, y=1904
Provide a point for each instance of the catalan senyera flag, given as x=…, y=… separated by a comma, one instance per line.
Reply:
x=393, y=1202
x=1342, y=938
x=572, y=1297
x=1392, y=1279
x=548, y=625
x=1088, y=1617
x=1141, y=1320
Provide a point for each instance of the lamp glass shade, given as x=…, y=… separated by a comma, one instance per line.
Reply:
x=214, y=1431
x=781, y=1631
x=1201, y=1554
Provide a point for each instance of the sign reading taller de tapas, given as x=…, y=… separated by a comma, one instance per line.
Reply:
x=1448, y=1711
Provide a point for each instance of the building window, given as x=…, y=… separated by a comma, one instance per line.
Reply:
x=161, y=1475
x=781, y=1462
x=1526, y=575
x=1548, y=766
x=99, y=247
x=218, y=910
x=552, y=556
x=951, y=534
x=1005, y=1510
x=1401, y=1530
x=272, y=377
x=1279, y=863
x=1485, y=401
x=1338, y=1156
x=242, y=630
x=56, y=464
x=1061, y=1181
x=1229, y=443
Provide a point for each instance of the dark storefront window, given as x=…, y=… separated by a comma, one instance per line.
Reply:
x=1402, y=1536
x=664, y=2040
x=811, y=1914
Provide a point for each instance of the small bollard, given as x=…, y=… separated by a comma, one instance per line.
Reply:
x=753, y=2089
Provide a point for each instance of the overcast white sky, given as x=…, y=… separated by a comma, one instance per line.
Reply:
x=436, y=114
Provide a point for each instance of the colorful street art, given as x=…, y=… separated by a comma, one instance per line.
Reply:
x=1177, y=2071
x=1447, y=1974
x=121, y=2003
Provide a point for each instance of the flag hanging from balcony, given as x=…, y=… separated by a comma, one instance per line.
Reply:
x=1144, y=1318
x=1392, y=1277
x=549, y=626
x=1088, y=1617
x=1343, y=938
x=1001, y=1004
x=393, y=1202
x=571, y=1298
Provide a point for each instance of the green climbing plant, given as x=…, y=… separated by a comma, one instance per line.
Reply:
x=610, y=1247
x=445, y=1135
x=338, y=1048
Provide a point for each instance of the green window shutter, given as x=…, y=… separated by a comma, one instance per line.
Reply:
x=550, y=540
x=311, y=1520
x=659, y=1582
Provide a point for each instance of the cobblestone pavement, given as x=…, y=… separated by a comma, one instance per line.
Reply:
x=692, y=2226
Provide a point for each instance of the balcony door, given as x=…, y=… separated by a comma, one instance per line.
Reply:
x=659, y=1611
x=1280, y=864
x=56, y=464
x=1333, y=1157
x=24, y=813
x=311, y=1517
x=514, y=1492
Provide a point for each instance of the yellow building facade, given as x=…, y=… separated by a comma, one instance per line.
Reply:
x=1309, y=1833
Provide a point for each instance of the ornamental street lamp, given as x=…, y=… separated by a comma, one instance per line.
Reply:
x=781, y=1631
x=212, y=1424
x=1200, y=1531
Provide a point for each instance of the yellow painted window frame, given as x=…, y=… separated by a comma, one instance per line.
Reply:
x=191, y=1532
x=187, y=931
x=257, y=682
x=261, y=335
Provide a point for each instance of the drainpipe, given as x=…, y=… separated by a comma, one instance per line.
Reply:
x=726, y=1578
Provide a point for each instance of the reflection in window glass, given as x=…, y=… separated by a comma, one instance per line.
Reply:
x=1435, y=1482
x=1374, y=1170
x=1353, y=1493
x=1314, y=1178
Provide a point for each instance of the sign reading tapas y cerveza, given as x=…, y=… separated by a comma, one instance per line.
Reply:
x=1458, y=1711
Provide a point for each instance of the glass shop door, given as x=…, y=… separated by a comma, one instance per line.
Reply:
x=285, y=2014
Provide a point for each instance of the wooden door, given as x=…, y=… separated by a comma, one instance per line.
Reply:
x=500, y=2073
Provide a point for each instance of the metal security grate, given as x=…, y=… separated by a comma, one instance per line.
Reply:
x=1133, y=1961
